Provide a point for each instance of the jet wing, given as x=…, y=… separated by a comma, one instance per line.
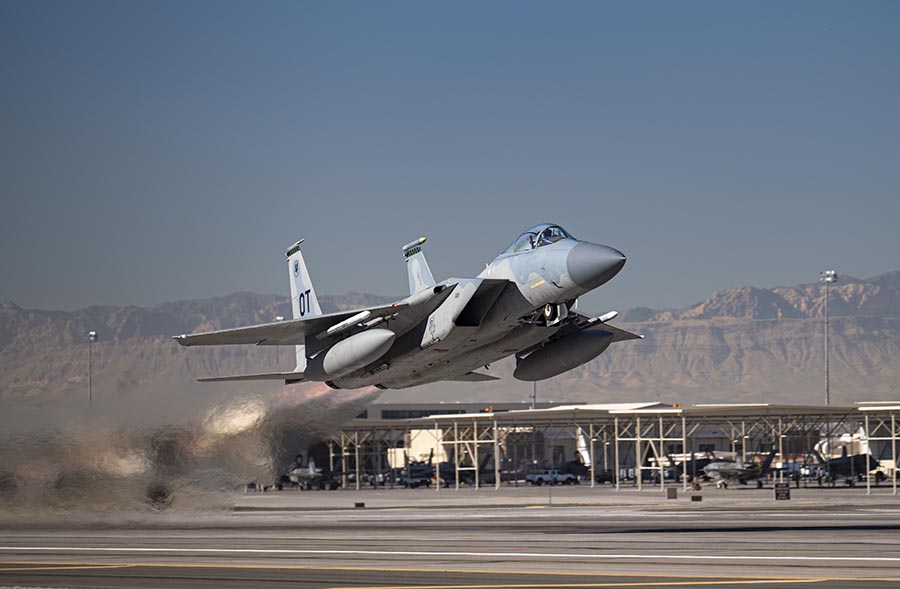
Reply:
x=619, y=335
x=283, y=333
x=473, y=377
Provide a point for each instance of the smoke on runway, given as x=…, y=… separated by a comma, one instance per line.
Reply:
x=90, y=462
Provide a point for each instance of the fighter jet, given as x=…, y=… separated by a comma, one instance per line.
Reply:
x=846, y=466
x=724, y=472
x=693, y=465
x=522, y=304
x=310, y=476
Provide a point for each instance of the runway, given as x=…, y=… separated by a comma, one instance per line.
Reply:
x=510, y=538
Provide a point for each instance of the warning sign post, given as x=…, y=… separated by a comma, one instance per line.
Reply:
x=782, y=491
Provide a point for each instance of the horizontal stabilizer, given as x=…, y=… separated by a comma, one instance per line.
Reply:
x=473, y=377
x=287, y=377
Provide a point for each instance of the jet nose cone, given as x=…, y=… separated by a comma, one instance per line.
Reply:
x=591, y=265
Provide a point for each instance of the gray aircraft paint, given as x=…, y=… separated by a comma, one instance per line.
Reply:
x=348, y=354
x=724, y=472
x=522, y=303
x=563, y=355
x=420, y=276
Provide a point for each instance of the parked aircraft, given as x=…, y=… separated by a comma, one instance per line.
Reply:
x=723, y=472
x=523, y=303
x=485, y=468
x=312, y=476
x=418, y=473
x=848, y=467
x=581, y=465
x=693, y=466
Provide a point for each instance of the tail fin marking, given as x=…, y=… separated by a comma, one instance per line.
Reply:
x=304, y=302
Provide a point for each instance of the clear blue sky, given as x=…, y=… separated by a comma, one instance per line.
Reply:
x=166, y=150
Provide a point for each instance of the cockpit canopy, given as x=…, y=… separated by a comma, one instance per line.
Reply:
x=538, y=236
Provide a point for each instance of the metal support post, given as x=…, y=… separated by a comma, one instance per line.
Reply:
x=659, y=455
x=475, y=452
x=616, y=452
x=456, y=452
x=378, y=455
x=356, y=457
x=515, y=457
x=781, y=448
x=692, y=442
x=894, y=450
x=437, y=457
x=496, y=457
x=638, y=465
x=743, y=441
x=343, y=460
x=605, y=449
x=407, y=444
x=591, y=453
x=868, y=455
x=684, y=453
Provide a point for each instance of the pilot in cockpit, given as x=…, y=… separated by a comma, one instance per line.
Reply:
x=537, y=236
x=550, y=235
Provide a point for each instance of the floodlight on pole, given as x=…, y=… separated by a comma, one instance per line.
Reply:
x=92, y=337
x=827, y=277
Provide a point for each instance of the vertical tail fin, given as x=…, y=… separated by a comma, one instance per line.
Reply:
x=417, y=269
x=304, y=302
x=582, y=448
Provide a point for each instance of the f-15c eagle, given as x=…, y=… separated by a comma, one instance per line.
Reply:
x=523, y=303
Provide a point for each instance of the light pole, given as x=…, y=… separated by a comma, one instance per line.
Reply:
x=92, y=337
x=277, y=318
x=827, y=277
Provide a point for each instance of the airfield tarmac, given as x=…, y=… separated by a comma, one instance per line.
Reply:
x=515, y=537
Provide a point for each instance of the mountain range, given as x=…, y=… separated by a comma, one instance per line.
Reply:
x=739, y=345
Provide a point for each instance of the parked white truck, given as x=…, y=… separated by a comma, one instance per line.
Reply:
x=551, y=476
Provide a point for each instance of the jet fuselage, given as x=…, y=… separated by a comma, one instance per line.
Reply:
x=522, y=303
x=498, y=323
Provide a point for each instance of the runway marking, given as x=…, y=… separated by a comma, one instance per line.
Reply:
x=548, y=555
x=61, y=567
x=707, y=579
x=691, y=583
x=564, y=585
